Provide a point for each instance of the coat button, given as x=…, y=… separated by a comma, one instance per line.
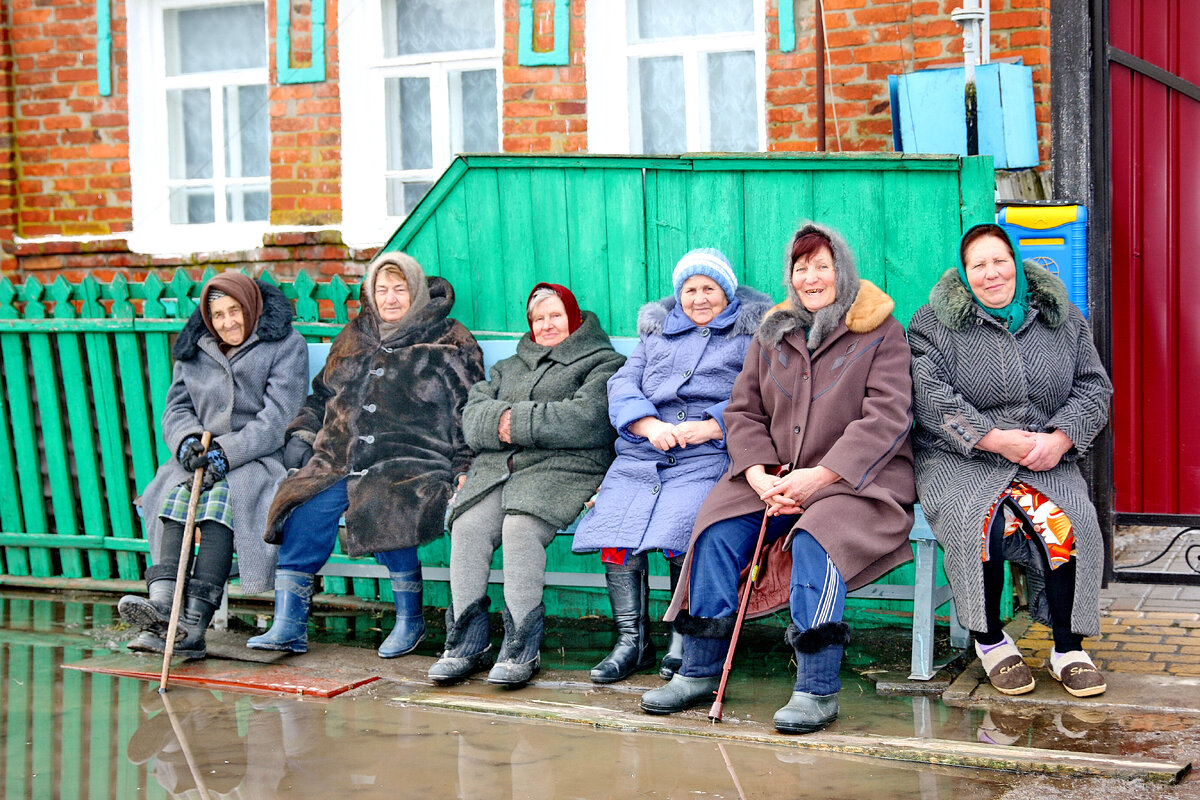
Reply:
x=682, y=415
x=796, y=429
x=671, y=460
x=378, y=373
x=389, y=349
x=687, y=373
x=806, y=376
x=967, y=437
x=222, y=408
x=368, y=439
x=704, y=332
x=369, y=408
x=655, y=489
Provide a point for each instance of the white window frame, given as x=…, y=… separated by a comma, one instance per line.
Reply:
x=614, y=109
x=149, y=151
x=363, y=70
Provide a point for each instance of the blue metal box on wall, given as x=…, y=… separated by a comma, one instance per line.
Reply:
x=928, y=113
x=1055, y=236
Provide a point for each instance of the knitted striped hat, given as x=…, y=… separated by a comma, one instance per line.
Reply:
x=709, y=262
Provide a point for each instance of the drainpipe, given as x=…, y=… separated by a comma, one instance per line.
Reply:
x=820, y=37
x=976, y=29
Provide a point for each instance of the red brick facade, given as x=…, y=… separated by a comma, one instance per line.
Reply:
x=65, y=166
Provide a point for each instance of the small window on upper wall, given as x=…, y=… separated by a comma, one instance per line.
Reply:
x=691, y=75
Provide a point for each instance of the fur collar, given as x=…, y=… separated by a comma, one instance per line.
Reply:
x=755, y=305
x=955, y=308
x=274, y=324
x=870, y=308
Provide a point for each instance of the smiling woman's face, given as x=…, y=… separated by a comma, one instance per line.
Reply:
x=228, y=320
x=991, y=271
x=814, y=277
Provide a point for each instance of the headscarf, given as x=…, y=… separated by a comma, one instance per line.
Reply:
x=243, y=290
x=574, y=317
x=418, y=289
x=709, y=262
x=1013, y=314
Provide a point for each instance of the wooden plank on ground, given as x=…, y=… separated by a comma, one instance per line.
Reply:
x=942, y=752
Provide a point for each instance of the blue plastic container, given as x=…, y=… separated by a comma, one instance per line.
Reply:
x=1055, y=236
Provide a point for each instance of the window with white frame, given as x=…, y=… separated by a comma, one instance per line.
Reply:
x=425, y=90
x=674, y=76
x=200, y=141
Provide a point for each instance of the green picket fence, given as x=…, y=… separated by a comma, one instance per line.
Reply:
x=84, y=367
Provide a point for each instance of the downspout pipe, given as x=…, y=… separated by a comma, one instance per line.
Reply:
x=973, y=19
x=820, y=37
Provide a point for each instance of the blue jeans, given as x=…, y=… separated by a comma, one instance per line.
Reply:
x=311, y=531
x=724, y=549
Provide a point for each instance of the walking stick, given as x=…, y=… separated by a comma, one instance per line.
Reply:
x=185, y=555
x=714, y=713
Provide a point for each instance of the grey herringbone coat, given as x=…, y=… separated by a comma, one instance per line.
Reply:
x=971, y=375
x=246, y=400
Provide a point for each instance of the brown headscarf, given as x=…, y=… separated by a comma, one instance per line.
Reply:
x=241, y=288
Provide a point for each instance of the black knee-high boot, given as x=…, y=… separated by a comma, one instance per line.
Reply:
x=629, y=593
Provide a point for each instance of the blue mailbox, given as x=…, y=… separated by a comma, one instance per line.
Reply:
x=1055, y=236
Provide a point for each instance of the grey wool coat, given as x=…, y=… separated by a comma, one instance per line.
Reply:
x=679, y=371
x=246, y=400
x=829, y=388
x=971, y=375
x=387, y=414
x=561, y=439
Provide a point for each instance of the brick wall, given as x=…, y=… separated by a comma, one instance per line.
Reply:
x=8, y=164
x=306, y=127
x=545, y=108
x=868, y=40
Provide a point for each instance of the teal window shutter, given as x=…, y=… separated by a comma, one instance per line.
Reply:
x=315, y=72
x=560, y=55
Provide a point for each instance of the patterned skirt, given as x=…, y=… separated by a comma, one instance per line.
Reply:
x=214, y=504
x=1032, y=514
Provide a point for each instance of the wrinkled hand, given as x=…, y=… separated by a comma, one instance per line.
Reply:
x=1013, y=445
x=296, y=453
x=794, y=489
x=661, y=435
x=590, y=503
x=762, y=484
x=697, y=431
x=215, y=469
x=462, y=481
x=191, y=454
x=504, y=431
x=1048, y=449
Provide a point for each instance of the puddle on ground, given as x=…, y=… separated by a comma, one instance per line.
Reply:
x=74, y=734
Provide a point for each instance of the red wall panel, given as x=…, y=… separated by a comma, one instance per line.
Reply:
x=1155, y=293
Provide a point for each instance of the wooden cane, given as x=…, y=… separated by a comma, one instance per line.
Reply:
x=185, y=746
x=714, y=713
x=185, y=555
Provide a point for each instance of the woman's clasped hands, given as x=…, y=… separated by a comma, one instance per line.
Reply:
x=785, y=496
x=664, y=436
x=1035, y=451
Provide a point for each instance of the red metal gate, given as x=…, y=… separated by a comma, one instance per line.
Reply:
x=1154, y=73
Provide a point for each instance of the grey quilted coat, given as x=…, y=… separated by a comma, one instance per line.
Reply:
x=971, y=375
x=561, y=439
x=247, y=401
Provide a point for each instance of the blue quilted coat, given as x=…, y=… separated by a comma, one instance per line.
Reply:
x=678, y=372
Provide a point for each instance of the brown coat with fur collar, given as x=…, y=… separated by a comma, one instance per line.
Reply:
x=848, y=406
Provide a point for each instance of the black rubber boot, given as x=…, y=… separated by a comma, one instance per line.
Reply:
x=705, y=645
x=199, y=607
x=814, y=702
x=629, y=593
x=674, y=657
x=468, y=644
x=151, y=613
x=147, y=642
x=519, y=655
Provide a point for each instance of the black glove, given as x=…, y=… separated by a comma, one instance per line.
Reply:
x=191, y=453
x=297, y=452
x=215, y=467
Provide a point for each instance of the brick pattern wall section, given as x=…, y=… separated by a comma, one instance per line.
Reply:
x=8, y=162
x=306, y=126
x=544, y=108
x=71, y=146
x=868, y=40
x=284, y=254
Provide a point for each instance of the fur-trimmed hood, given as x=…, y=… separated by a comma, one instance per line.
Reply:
x=274, y=323
x=955, y=307
x=870, y=308
x=792, y=315
x=754, y=305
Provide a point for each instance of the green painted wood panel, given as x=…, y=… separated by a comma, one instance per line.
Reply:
x=486, y=251
x=625, y=244
x=587, y=245
x=516, y=243
x=775, y=206
x=454, y=253
x=547, y=193
x=715, y=217
x=28, y=473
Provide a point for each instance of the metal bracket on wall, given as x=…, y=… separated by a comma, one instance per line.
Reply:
x=104, y=48
x=787, y=26
x=560, y=55
x=315, y=72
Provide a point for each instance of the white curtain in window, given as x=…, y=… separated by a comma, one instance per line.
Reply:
x=413, y=27
x=664, y=19
x=733, y=120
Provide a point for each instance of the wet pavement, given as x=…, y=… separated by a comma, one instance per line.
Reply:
x=73, y=734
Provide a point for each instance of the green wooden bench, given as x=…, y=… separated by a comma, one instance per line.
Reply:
x=924, y=592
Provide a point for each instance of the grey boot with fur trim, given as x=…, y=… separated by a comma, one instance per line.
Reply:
x=468, y=644
x=705, y=646
x=519, y=655
x=814, y=702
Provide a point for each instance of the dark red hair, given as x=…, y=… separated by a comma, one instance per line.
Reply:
x=809, y=243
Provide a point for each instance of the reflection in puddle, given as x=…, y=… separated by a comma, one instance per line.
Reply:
x=75, y=734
